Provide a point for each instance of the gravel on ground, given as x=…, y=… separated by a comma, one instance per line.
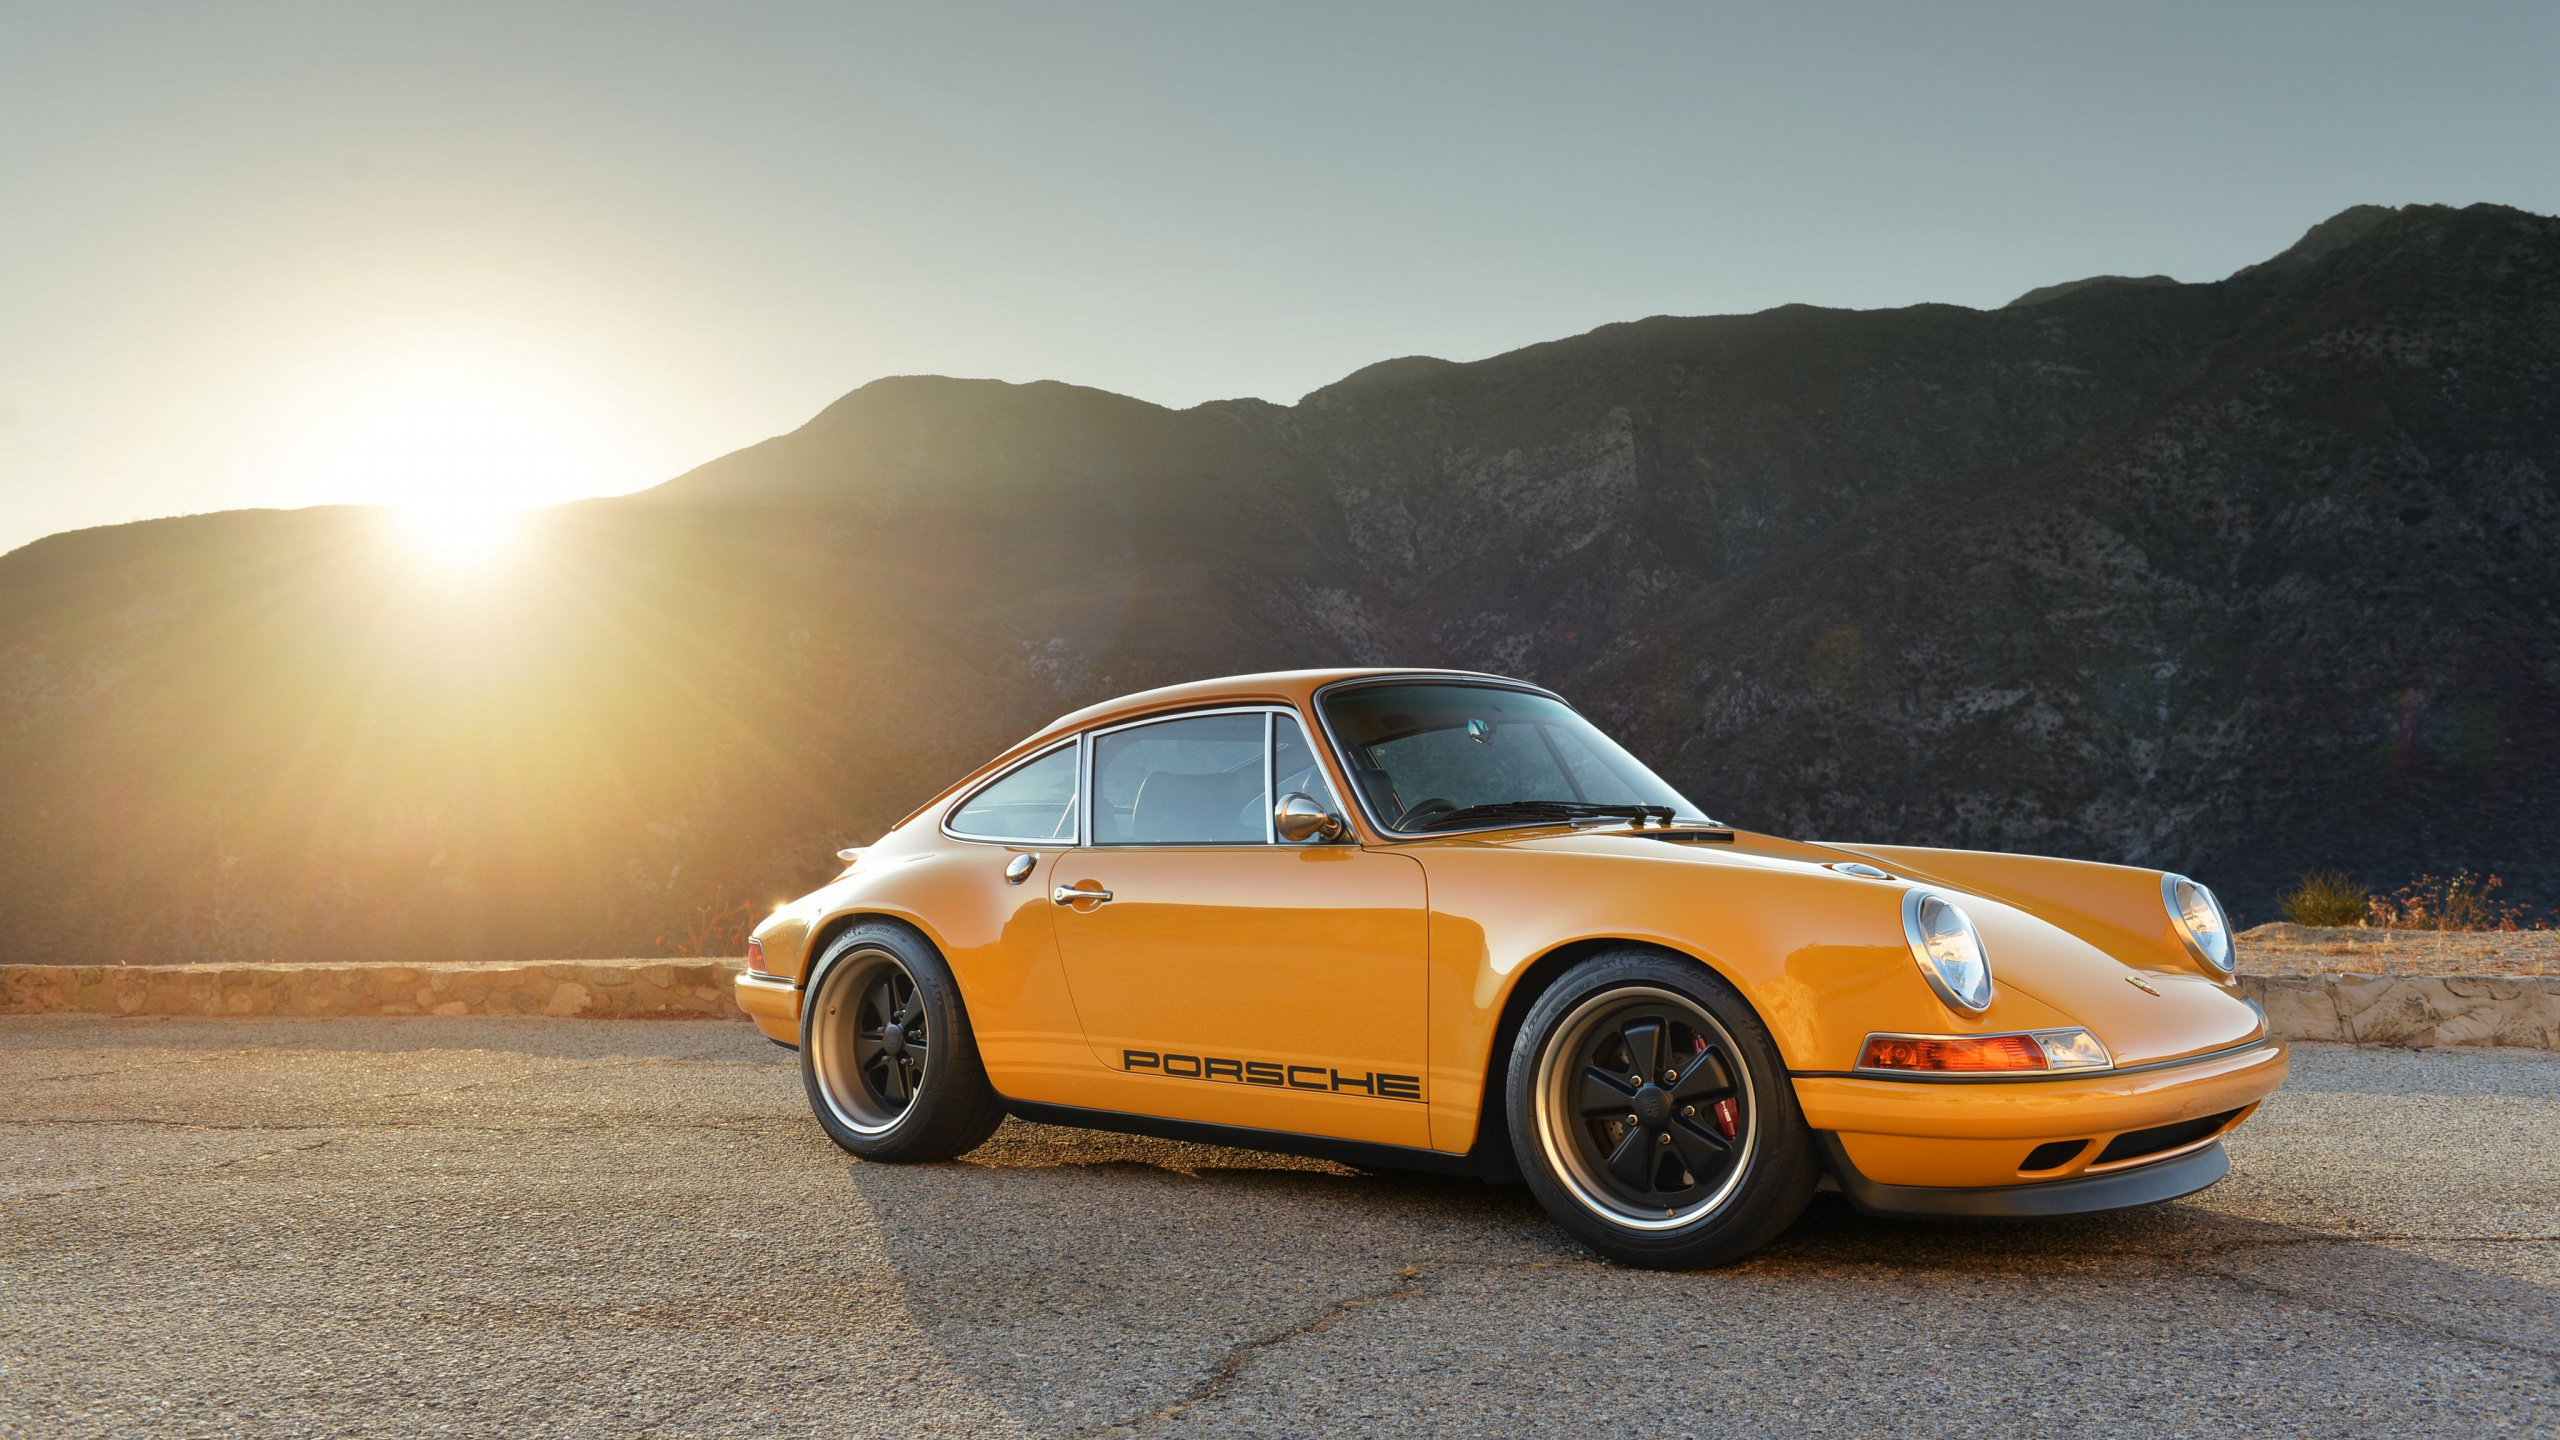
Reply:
x=606, y=1228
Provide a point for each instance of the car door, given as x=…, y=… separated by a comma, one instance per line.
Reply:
x=1228, y=977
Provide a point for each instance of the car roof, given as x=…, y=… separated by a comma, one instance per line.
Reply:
x=1295, y=688
x=1290, y=687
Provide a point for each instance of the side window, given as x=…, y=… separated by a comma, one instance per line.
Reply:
x=1033, y=804
x=1294, y=767
x=1181, y=782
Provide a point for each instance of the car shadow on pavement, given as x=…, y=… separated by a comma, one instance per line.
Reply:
x=1083, y=1281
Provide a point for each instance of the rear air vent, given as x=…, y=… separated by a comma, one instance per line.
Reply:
x=2053, y=1154
x=2134, y=1144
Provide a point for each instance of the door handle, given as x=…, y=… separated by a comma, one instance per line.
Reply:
x=1068, y=895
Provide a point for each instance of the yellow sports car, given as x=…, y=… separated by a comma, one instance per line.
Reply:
x=1436, y=920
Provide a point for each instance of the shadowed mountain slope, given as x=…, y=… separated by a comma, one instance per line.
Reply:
x=2240, y=578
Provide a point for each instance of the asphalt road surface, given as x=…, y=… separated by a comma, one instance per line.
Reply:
x=529, y=1228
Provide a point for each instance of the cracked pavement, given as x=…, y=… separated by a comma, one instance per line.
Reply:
x=532, y=1228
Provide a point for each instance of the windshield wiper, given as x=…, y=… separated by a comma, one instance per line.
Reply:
x=1546, y=810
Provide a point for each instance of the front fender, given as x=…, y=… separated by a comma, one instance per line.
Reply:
x=1819, y=956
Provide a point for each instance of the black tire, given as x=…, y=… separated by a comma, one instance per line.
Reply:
x=1710, y=1159
x=886, y=1052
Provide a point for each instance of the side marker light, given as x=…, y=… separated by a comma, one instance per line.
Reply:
x=755, y=957
x=2074, y=1050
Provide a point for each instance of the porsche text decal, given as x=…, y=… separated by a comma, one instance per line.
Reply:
x=1321, y=1078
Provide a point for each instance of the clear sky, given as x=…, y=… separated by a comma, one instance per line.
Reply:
x=275, y=254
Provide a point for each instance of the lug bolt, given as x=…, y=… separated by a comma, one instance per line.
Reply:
x=1635, y=1080
x=1670, y=1077
x=1689, y=1112
x=1664, y=1137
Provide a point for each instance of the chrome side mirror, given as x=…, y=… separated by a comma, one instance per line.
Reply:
x=1300, y=817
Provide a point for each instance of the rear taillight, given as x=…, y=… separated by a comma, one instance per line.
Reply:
x=755, y=956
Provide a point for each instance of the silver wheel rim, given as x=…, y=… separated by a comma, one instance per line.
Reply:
x=1560, y=1083
x=869, y=1043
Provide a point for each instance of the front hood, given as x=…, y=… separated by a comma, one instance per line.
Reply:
x=2174, y=1010
x=2142, y=1014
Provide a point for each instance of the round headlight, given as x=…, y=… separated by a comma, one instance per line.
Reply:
x=2198, y=919
x=1950, y=953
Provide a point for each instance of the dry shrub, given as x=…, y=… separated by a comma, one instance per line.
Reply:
x=717, y=927
x=2460, y=901
x=2327, y=897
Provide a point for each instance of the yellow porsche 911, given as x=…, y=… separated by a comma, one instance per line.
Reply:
x=1439, y=921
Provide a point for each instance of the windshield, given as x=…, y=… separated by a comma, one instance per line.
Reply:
x=1453, y=756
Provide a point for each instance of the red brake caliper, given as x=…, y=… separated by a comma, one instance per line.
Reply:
x=1728, y=1115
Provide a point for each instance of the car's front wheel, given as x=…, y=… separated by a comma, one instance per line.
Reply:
x=1652, y=1116
x=886, y=1052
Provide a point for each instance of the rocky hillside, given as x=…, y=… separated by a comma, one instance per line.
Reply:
x=2240, y=578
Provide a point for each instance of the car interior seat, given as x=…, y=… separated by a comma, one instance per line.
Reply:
x=1174, y=807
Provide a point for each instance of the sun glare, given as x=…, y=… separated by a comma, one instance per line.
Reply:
x=458, y=435
x=458, y=537
x=454, y=429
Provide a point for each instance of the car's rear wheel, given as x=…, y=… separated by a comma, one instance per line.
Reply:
x=886, y=1052
x=1652, y=1116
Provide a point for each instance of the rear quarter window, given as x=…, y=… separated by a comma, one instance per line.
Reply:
x=1032, y=804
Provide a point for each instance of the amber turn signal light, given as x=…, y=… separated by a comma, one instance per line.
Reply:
x=1986, y=1054
x=755, y=956
x=1951, y=1053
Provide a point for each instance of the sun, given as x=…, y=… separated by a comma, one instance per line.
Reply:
x=458, y=433
x=458, y=537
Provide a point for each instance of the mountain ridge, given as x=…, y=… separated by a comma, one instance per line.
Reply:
x=2241, y=577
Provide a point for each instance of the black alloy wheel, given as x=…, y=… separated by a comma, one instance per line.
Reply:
x=886, y=1053
x=1652, y=1117
x=890, y=1043
x=1660, y=1101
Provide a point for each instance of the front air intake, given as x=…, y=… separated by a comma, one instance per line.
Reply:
x=2134, y=1144
x=2054, y=1154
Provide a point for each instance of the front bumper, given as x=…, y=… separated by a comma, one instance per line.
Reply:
x=2145, y=1184
x=1981, y=1133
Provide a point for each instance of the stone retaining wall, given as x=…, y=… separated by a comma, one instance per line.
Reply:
x=2410, y=1010
x=592, y=989
x=2417, y=1011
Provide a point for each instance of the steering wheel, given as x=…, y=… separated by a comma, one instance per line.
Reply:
x=1424, y=811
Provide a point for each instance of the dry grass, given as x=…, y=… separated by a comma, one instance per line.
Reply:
x=2288, y=949
x=2464, y=903
x=2434, y=925
x=2460, y=901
